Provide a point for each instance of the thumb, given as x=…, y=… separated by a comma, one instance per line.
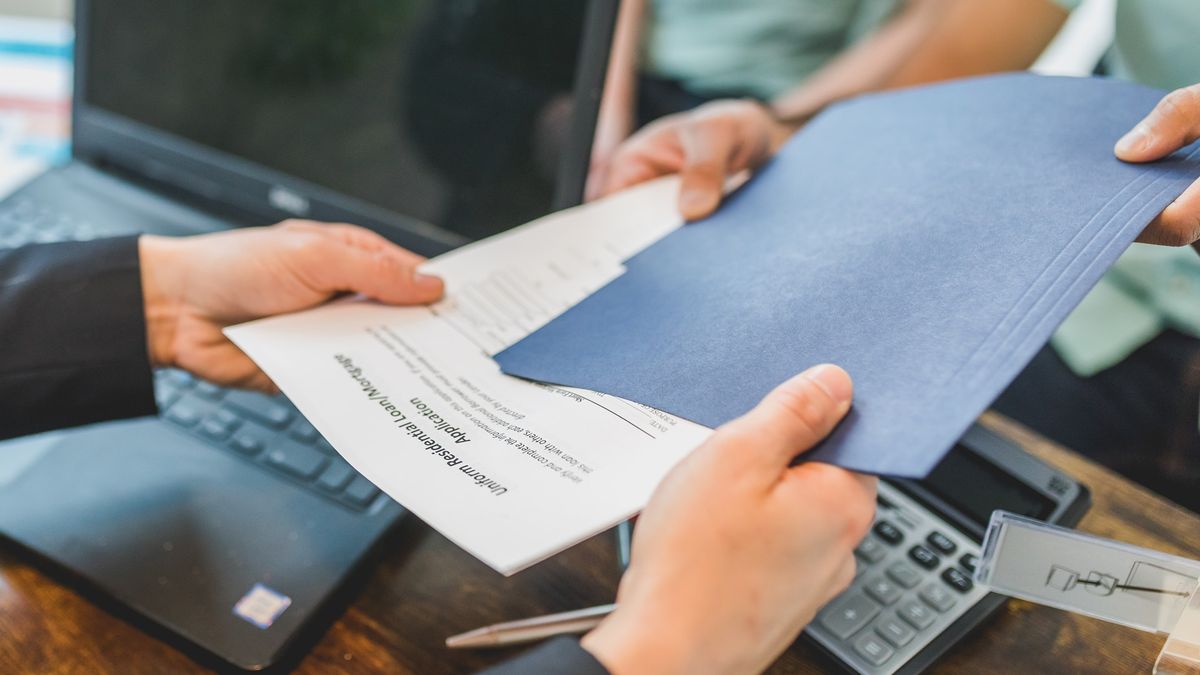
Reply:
x=798, y=414
x=1174, y=123
x=707, y=153
x=382, y=274
x=700, y=190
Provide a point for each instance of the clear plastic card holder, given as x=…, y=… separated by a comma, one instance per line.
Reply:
x=1105, y=579
x=1181, y=654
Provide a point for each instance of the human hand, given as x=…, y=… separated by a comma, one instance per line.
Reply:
x=704, y=146
x=1173, y=124
x=738, y=550
x=195, y=286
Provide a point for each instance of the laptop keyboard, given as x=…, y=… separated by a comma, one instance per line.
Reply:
x=24, y=221
x=266, y=431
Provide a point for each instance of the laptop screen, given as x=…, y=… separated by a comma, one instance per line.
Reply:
x=453, y=112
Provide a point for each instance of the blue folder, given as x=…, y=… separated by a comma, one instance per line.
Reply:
x=927, y=240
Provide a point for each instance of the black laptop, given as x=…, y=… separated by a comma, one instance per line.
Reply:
x=227, y=524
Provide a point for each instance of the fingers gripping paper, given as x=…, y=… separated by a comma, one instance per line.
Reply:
x=927, y=240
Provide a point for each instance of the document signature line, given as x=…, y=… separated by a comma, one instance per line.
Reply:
x=628, y=421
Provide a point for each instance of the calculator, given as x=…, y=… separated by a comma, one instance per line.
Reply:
x=913, y=596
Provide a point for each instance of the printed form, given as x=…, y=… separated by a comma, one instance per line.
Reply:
x=510, y=470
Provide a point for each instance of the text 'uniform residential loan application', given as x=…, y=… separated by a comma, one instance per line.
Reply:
x=510, y=470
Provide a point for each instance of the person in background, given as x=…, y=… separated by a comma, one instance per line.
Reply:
x=708, y=590
x=1120, y=381
x=674, y=55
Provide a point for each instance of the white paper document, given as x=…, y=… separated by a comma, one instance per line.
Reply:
x=512, y=471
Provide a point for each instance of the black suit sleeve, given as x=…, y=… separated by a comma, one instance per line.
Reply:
x=560, y=655
x=72, y=336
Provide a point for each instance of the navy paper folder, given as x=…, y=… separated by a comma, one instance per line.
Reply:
x=927, y=240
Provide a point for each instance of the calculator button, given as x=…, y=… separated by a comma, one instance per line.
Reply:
x=889, y=532
x=871, y=550
x=904, y=574
x=859, y=569
x=849, y=613
x=872, y=648
x=959, y=581
x=924, y=557
x=969, y=561
x=884, y=591
x=941, y=543
x=938, y=597
x=895, y=631
x=916, y=613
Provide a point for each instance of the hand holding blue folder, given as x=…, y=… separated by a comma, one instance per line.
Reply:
x=928, y=240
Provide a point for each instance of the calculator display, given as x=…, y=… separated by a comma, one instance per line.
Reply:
x=976, y=487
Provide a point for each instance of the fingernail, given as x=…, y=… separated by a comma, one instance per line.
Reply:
x=1137, y=139
x=695, y=202
x=428, y=283
x=833, y=380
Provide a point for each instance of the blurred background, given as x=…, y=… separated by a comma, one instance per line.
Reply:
x=35, y=81
x=35, y=68
x=54, y=9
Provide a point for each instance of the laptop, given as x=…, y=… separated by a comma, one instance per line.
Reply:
x=227, y=525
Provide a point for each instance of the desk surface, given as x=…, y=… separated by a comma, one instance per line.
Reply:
x=425, y=588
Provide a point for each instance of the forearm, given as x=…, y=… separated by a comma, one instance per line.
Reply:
x=615, y=119
x=868, y=65
x=620, y=84
x=980, y=37
x=74, y=336
x=928, y=41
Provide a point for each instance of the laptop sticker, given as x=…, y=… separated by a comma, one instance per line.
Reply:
x=262, y=606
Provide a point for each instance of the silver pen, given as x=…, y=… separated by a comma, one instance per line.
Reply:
x=532, y=629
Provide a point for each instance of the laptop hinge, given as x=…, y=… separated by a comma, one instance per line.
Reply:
x=177, y=186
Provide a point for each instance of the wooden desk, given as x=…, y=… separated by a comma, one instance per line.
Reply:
x=425, y=589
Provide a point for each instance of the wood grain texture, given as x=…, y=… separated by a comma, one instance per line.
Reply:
x=424, y=588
